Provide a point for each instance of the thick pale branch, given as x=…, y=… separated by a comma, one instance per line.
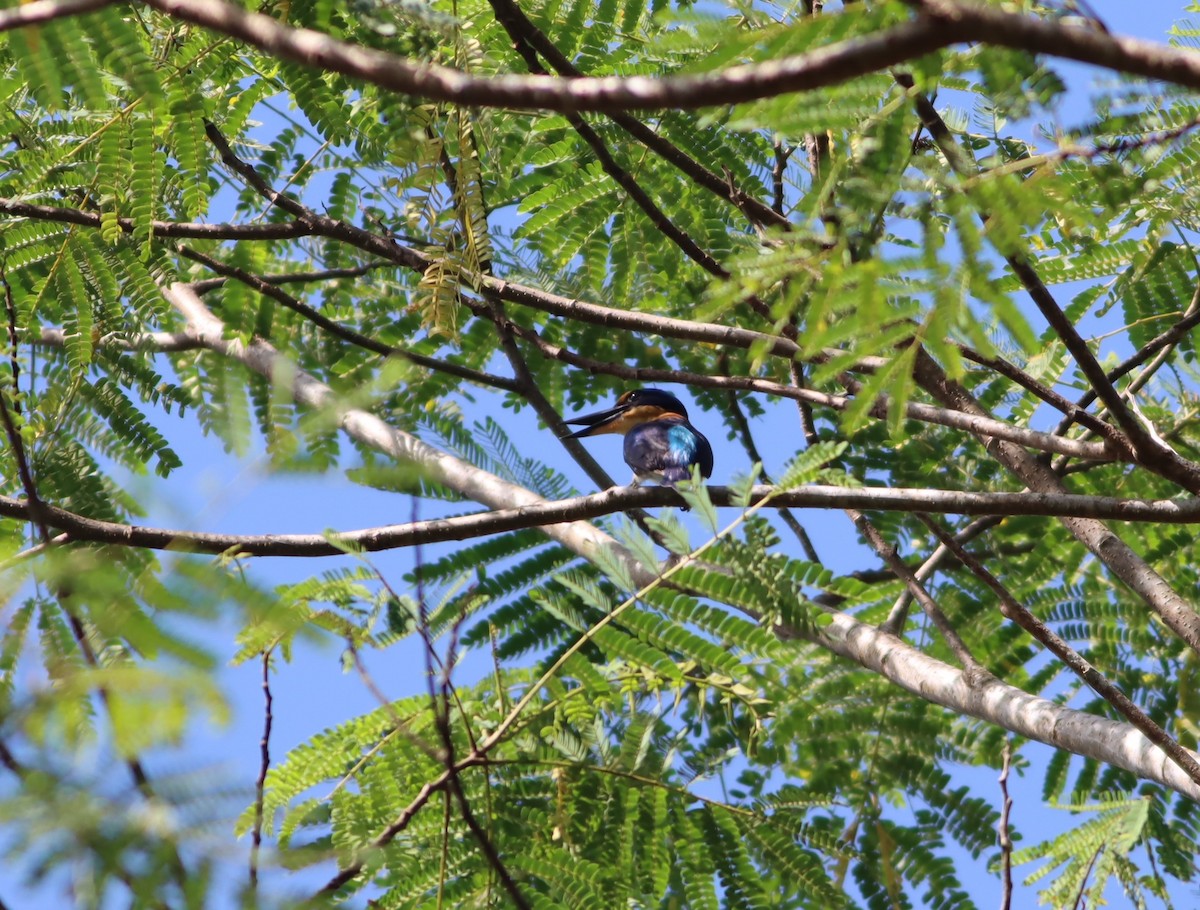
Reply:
x=986, y=699
x=991, y=700
x=938, y=24
x=1100, y=684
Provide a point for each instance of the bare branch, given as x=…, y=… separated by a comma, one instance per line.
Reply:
x=940, y=23
x=317, y=318
x=40, y=11
x=542, y=513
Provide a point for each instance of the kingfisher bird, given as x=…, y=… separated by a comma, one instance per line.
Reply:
x=660, y=444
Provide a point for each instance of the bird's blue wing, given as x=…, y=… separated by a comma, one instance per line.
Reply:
x=667, y=447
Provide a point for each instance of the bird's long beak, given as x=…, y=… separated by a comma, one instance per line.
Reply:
x=608, y=421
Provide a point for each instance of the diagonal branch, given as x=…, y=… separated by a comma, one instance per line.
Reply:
x=319, y=319
x=1117, y=555
x=530, y=40
x=1015, y=611
x=1152, y=452
x=920, y=593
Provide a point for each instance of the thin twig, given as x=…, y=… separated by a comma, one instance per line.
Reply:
x=439, y=705
x=887, y=552
x=319, y=319
x=898, y=615
x=264, y=765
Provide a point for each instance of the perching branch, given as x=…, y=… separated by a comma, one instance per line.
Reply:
x=548, y=514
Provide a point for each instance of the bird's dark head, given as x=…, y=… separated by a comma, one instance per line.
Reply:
x=633, y=407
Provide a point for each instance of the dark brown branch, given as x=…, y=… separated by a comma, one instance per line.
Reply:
x=171, y=229
x=608, y=163
x=1117, y=555
x=892, y=559
x=264, y=765
x=917, y=411
x=1075, y=411
x=1167, y=339
x=317, y=318
x=898, y=615
x=1152, y=452
x=1003, y=833
x=79, y=528
x=1018, y=613
x=531, y=41
x=939, y=24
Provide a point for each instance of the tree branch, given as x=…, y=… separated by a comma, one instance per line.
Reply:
x=40, y=11
x=1016, y=612
x=1118, y=556
x=1097, y=451
x=174, y=229
x=1152, y=452
x=988, y=699
x=939, y=24
x=264, y=765
x=529, y=39
x=537, y=512
x=319, y=319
